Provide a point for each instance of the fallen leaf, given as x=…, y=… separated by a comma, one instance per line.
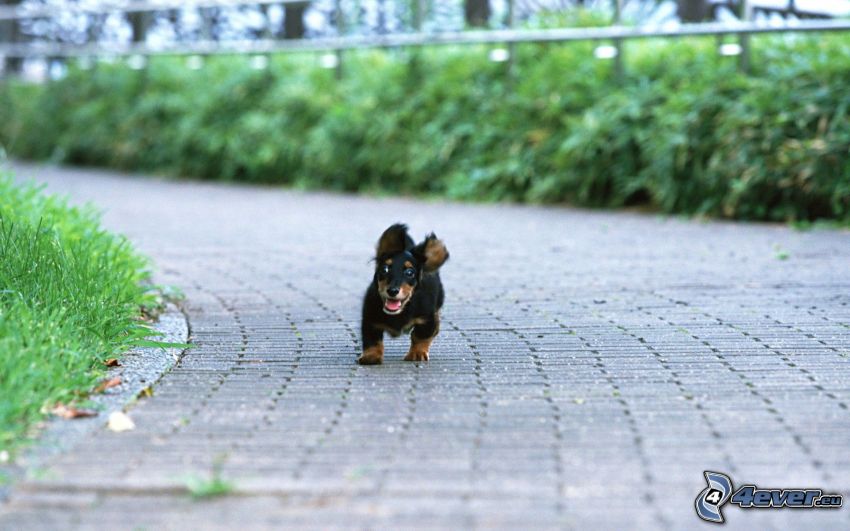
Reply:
x=147, y=392
x=71, y=412
x=119, y=421
x=106, y=384
x=112, y=362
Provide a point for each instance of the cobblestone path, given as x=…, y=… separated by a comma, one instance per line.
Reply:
x=591, y=365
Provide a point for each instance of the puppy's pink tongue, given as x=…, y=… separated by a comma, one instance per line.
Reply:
x=392, y=305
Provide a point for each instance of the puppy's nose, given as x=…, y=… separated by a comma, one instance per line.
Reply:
x=392, y=292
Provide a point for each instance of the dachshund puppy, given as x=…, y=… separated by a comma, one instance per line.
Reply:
x=405, y=294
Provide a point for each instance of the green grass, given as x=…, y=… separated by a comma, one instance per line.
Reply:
x=779, y=253
x=201, y=488
x=70, y=297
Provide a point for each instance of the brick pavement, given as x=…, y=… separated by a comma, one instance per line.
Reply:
x=590, y=366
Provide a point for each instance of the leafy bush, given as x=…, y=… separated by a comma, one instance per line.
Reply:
x=70, y=297
x=683, y=131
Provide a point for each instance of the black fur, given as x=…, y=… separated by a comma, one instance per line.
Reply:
x=392, y=280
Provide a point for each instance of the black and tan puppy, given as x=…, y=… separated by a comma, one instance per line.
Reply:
x=405, y=293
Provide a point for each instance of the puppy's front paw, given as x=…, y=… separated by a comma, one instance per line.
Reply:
x=372, y=356
x=417, y=352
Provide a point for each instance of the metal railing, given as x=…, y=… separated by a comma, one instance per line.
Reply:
x=615, y=34
x=23, y=11
x=510, y=36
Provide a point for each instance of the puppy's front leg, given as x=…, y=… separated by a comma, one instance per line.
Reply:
x=421, y=338
x=373, y=345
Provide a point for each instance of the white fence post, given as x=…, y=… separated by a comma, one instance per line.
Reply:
x=746, y=16
x=618, y=43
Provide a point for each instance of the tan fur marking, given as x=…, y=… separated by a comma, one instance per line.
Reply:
x=415, y=321
x=436, y=254
x=372, y=355
x=391, y=331
x=408, y=263
x=405, y=291
x=388, y=261
x=406, y=328
x=419, y=349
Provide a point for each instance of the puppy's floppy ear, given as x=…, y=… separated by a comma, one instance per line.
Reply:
x=393, y=240
x=432, y=253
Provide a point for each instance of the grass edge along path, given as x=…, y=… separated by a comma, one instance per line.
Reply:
x=72, y=295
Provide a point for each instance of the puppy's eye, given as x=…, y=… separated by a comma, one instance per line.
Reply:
x=409, y=272
x=385, y=269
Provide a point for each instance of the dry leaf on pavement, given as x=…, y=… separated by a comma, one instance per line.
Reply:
x=106, y=384
x=71, y=412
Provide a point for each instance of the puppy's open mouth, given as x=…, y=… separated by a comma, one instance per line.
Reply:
x=393, y=306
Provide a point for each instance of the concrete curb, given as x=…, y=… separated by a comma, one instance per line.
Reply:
x=140, y=369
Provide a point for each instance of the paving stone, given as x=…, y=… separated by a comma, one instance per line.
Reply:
x=591, y=366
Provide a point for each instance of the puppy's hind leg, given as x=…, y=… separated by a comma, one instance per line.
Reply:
x=421, y=338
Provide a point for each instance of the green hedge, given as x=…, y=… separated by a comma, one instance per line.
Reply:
x=70, y=297
x=683, y=132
